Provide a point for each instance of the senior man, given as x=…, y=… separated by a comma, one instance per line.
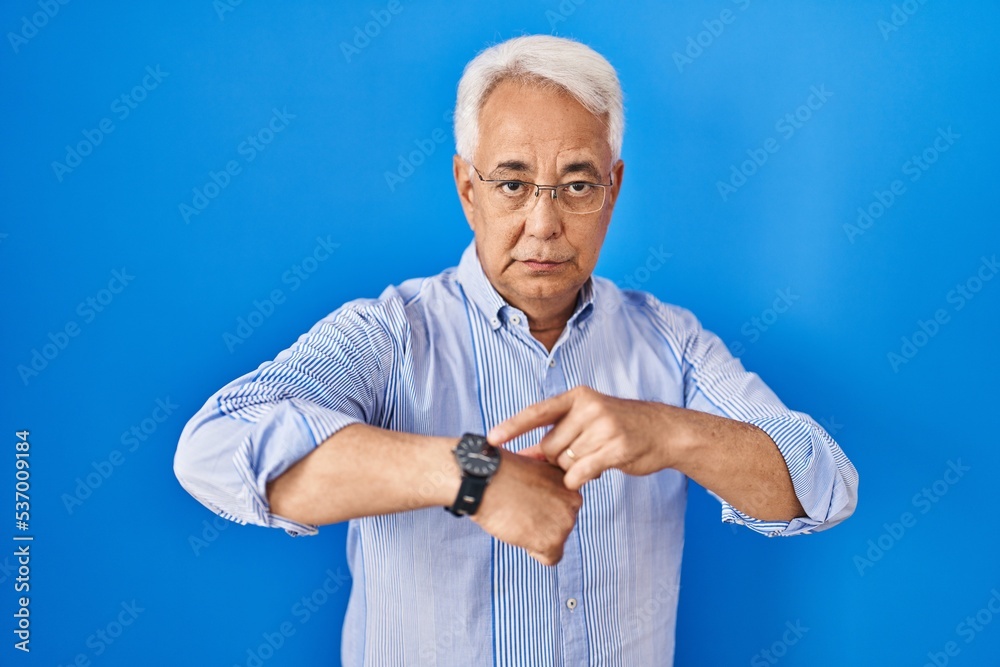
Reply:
x=557, y=538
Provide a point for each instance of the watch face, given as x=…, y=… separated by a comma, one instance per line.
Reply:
x=477, y=457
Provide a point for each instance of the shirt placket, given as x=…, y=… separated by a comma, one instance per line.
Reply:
x=569, y=571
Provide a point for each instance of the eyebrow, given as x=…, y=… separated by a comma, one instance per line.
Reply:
x=579, y=167
x=582, y=167
x=512, y=165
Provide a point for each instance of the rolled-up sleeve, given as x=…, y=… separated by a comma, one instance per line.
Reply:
x=259, y=425
x=825, y=481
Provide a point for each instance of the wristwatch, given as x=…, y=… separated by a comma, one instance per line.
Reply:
x=479, y=461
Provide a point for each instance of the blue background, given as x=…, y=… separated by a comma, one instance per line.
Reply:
x=356, y=116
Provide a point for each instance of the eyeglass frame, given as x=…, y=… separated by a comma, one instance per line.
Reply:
x=538, y=188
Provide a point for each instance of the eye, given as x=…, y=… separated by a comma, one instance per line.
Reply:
x=579, y=188
x=511, y=187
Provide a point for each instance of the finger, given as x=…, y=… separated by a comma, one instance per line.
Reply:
x=565, y=435
x=538, y=414
x=533, y=452
x=547, y=559
x=585, y=469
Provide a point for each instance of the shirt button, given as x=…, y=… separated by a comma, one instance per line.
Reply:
x=494, y=321
x=552, y=363
x=515, y=319
x=571, y=603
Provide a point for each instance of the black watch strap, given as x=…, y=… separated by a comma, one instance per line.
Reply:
x=470, y=494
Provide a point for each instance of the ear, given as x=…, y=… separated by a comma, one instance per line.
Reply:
x=617, y=173
x=464, y=186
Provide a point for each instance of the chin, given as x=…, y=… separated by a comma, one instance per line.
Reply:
x=542, y=288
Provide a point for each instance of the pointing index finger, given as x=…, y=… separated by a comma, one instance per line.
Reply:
x=538, y=414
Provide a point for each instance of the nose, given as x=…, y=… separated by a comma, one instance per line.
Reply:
x=544, y=220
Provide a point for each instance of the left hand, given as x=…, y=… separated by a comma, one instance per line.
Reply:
x=594, y=432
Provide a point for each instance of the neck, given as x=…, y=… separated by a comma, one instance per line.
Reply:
x=547, y=320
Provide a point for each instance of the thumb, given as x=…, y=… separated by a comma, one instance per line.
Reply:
x=532, y=452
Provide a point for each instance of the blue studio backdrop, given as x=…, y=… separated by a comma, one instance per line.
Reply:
x=189, y=187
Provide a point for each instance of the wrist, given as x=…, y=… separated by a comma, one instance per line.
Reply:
x=478, y=462
x=501, y=477
x=678, y=436
x=437, y=477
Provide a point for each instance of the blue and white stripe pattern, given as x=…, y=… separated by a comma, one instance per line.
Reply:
x=445, y=355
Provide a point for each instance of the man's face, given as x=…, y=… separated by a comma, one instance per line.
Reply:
x=542, y=136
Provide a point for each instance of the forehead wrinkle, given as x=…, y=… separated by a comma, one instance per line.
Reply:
x=513, y=165
x=581, y=167
x=539, y=124
x=523, y=167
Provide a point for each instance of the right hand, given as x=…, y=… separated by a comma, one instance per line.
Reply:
x=527, y=505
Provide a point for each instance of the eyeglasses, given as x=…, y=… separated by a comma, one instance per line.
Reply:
x=513, y=196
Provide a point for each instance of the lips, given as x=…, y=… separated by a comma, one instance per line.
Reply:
x=543, y=264
x=543, y=260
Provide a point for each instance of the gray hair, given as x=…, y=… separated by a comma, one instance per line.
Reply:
x=547, y=61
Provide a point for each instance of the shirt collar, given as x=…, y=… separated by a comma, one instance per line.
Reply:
x=481, y=292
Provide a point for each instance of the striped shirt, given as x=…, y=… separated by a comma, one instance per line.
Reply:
x=446, y=355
